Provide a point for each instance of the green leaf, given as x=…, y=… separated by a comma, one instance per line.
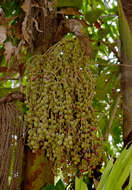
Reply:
x=11, y=8
x=120, y=170
x=48, y=187
x=115, y=171
x=88, y=181
x=130, y=180
x=103, y=123
x=105, y=175
x=79, y=184
x=60, y=185
x=127, y=162
x=93, y=15
x=103, y=33
x=69, y=3
x=114, y=177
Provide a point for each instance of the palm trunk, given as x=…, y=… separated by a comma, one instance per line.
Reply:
x=125, y=27
x=37, y=171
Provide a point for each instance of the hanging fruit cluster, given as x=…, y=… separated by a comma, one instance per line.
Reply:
x=60, y=118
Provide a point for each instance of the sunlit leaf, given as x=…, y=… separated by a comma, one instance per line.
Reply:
x=115, y=176
x=79, y=184
x=93, y=15
x=69, y=3
x=105, y=175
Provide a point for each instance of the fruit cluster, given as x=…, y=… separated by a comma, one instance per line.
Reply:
x=60, y=119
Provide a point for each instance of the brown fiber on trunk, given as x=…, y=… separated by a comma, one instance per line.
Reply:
x=11, y=146
x=127, y=102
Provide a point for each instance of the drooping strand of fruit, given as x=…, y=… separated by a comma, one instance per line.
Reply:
x=60, y=119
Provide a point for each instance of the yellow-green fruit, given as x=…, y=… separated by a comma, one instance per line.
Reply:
x=60, y=118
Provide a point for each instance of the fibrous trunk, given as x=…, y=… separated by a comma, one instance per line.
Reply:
x=11, y=146
x=125, y=23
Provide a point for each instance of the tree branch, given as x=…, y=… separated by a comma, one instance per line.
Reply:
x=112, y=49
x=7, y=70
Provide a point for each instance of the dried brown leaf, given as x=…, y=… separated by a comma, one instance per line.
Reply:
x=25, y=6
x=2, y=17
x=26, y=25
x=77, y=26
x=86, y=46
x=3, y=34
x=36, y=25
x=9, y=50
